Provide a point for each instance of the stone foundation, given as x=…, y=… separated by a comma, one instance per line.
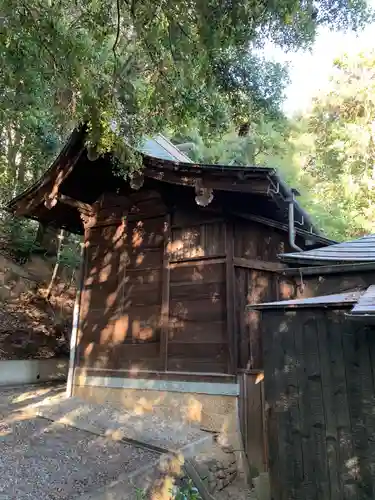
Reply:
x=217, y=468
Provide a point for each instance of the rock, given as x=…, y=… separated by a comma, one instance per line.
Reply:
x=233, y=475
x=228, y=448
x=220, y=484
x=203, y=469
x=211, y=476
x=232, y=468
x=226, y=481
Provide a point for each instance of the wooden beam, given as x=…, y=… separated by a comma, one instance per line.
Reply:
x=259, y=186
x=230, y=296
x=202, y=258
x=165, y=295
x=85, y=208
x=50, y=187
x=283, y=227
x=197, y=262
x=311, y=269
x=259, y=265
x=201, y=222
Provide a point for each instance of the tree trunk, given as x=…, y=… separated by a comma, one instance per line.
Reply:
x=47, y=240
x=57, y=264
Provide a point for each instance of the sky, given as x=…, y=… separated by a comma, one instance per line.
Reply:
x=310, y=71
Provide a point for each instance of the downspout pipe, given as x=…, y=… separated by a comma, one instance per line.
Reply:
x=75, y=325
x=291, y=227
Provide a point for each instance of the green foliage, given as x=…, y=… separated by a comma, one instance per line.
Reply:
x=337, y=147
x=187, y=491
x=147, y=65
x=328, y=153
x=140, y=494
x=132, y=68
x=265, y=143
x=17, y=236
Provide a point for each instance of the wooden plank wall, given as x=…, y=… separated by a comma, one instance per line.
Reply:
x=252, y=287
x=257, y=241
x=122, y=293
x=155, y=291
x=198, y=338
x=319, y=388
x=252, y=422
x=323, y=284
x=166, y=288
x=255, y=246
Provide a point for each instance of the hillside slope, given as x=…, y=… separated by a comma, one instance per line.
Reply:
x=30, y=325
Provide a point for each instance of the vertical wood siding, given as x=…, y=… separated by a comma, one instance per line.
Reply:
x=254, y=242
x=252, y=422
x=319, y=388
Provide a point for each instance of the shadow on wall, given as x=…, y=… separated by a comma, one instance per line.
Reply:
x=121, y=306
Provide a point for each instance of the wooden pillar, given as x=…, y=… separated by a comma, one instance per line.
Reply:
x=230, y=296
x=165, y=295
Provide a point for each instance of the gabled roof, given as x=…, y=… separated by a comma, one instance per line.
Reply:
x=246, y=191
x=360, y=250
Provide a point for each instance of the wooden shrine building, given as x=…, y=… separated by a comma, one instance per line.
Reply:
x=170, y=261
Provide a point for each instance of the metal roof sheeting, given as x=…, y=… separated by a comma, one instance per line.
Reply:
x=323, y=300
x=363, y=303
x=360, y=250
x=160, y=147
x=366, y=303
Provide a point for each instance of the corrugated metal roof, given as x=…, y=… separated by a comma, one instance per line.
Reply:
x=323, y=300
x=360, y=250
x=366, y=303
x=160, y=147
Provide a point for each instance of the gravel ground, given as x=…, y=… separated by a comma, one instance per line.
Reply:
x=45, y=460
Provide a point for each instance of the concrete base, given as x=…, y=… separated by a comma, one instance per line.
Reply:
x=31, y=371
x=262, y=486
x=213, y=413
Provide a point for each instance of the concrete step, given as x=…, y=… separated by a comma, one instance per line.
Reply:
x=160, y=433
x=172, y=441
x=262, y=486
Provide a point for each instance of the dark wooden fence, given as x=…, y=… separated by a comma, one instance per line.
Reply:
x=320, y=390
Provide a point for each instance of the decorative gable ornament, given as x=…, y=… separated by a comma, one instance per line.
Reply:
x=137, y=180
x=203, y=195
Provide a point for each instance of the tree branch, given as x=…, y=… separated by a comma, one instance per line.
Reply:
x=118, y=28
x=47, y=49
